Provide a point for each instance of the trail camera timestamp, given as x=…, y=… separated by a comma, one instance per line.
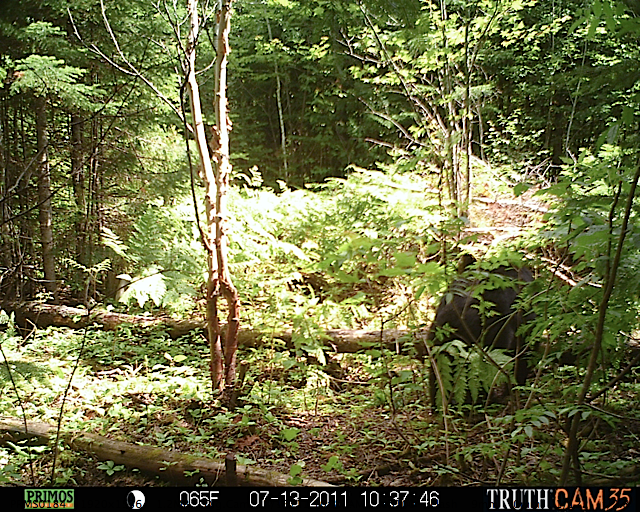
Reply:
x=398, y=498
x=338, y=499
x=302, y=498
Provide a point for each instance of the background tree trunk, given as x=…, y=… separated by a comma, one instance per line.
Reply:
x=79, y=189
x=44, y=197
x=283, y=132
x=6, y=249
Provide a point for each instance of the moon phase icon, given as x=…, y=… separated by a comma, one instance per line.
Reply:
x=135, y=500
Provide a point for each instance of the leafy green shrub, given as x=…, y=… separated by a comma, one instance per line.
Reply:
x=586, y=224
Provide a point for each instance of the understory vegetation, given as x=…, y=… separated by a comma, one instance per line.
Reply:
x=377, y=148
x=357, y=253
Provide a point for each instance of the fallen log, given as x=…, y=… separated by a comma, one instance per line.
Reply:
x=39, y=314
x=44, y=315
x=175, y=467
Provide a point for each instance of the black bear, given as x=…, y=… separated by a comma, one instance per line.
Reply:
x=480, y=306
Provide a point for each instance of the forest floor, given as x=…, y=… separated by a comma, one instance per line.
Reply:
x=361, y=419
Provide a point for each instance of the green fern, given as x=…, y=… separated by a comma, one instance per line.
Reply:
x=467, y=371
x=149, y=287
x=112, y=241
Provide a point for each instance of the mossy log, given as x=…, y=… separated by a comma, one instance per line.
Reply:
x=175, y=467
x=44, y=315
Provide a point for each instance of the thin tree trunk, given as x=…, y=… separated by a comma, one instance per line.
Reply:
x=216, y=180
x=44, y=197
x=213, y=328
x=6, y=249
x=571, y=450
x=283, y=133
x=79, y=192
x=93, y=189
x=466, y=124
x=222, y=175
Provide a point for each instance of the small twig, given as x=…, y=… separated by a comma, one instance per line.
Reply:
x=24, y=414
x=64, y=399
x=130, y=69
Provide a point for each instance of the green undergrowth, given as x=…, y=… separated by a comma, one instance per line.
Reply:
x=361, y=252
x=344, y=253
x=351, y=420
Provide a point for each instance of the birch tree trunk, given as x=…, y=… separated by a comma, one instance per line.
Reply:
x=222, y=174
x=216, y=180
